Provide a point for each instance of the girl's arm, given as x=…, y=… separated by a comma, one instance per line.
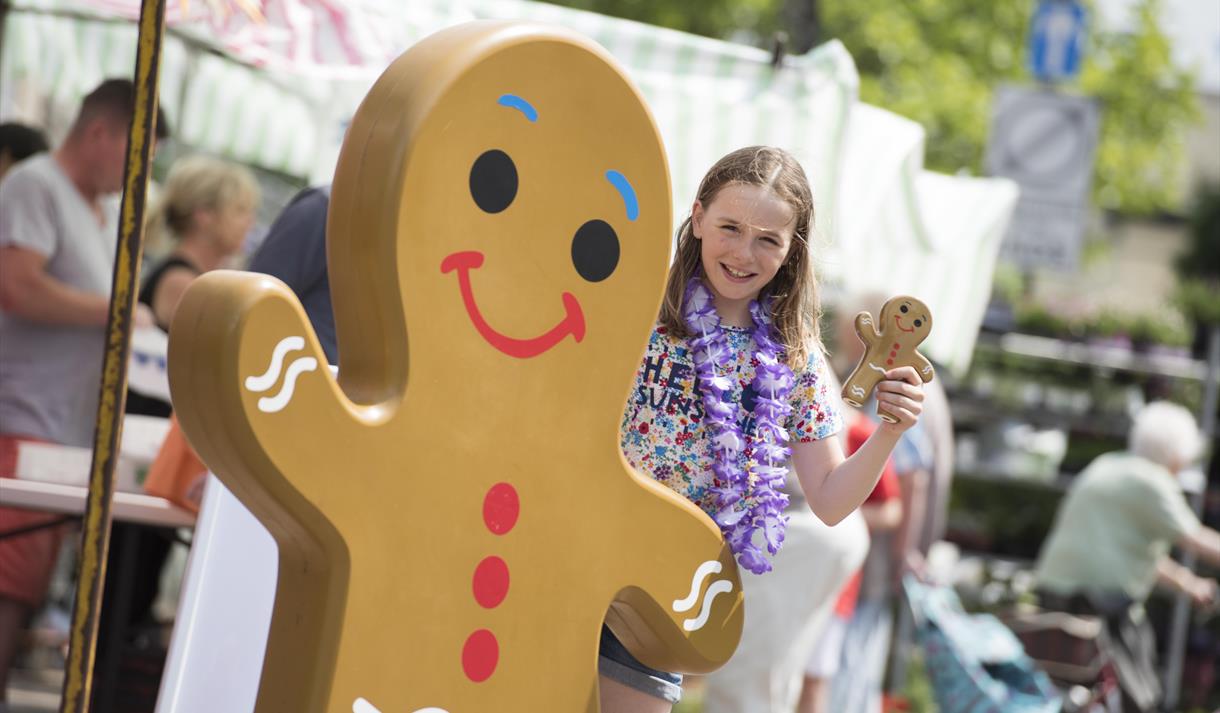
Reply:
x=834, y=485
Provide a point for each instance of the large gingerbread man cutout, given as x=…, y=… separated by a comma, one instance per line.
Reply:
x=453, y=515
x=904, y=323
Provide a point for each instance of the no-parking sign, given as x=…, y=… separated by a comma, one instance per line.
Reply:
x=1045, y=141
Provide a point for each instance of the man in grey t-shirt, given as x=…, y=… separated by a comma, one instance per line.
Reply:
x=56, y=259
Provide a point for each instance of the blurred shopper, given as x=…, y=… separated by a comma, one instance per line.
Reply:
x=1111, y=539
x=17, y=143
x=295, y=252
x=56, y=261
x=204, y=212
x=787, y=610
x=923, y=460
x=844, y=673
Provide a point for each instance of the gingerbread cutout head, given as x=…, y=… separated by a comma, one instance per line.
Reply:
x=903, y=325
x=453, y=514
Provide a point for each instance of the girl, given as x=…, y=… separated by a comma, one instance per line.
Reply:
x=734, y=385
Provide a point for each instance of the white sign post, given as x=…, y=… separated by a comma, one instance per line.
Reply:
x=1045, y=141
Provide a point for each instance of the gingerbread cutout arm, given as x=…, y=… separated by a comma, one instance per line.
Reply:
x=241, y=345
x=680, y=614
x=243, y=340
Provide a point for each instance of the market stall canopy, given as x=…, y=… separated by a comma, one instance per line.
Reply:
x=277, y=92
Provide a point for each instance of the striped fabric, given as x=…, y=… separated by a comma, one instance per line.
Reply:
x=279, y=94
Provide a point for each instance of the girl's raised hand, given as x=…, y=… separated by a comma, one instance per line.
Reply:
x=900, y=395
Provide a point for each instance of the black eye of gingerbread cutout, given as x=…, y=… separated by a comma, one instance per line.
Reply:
x=595, y=250
x=903, y=309
x=493, y=181
x=918, y=323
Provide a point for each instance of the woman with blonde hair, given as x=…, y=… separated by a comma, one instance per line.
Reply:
x=200, y=219
x=204, y=212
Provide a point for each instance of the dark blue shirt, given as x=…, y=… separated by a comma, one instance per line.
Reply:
x=295, y=252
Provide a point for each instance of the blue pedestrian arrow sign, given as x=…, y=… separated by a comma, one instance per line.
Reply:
x=1056, y=40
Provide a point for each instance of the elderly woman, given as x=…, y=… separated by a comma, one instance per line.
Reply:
x=1111, y=539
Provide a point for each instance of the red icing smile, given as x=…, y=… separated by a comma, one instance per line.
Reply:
x=573, y=322
x=897, y=321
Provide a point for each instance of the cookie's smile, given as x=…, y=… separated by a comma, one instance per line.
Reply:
x=573, y=322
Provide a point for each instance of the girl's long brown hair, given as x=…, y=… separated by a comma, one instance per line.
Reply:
x=795, y=307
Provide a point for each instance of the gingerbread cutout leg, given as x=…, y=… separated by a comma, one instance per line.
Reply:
x=454, y=517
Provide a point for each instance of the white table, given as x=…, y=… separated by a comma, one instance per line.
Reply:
x=70, y=499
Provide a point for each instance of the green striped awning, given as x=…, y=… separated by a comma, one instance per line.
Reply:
x=883, y=222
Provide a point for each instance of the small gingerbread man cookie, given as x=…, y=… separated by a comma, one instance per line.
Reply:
x=905, y=323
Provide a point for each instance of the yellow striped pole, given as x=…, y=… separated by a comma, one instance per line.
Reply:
x=95, y=537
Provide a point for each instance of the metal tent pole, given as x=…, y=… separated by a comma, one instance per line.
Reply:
x=95, y=535
x=1181, y=607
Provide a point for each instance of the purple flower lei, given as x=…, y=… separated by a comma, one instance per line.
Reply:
x=747, y=499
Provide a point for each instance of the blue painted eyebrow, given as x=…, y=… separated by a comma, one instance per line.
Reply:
x=512, y=101
x=620, y=182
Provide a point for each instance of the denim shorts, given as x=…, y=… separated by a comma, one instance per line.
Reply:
x=616, y=663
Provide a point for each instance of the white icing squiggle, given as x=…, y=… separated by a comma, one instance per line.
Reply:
x=259, y=384
x=708, y=567
x=279, y=401
x=721, y=586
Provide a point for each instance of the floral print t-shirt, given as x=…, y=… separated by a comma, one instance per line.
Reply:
x=662, y=431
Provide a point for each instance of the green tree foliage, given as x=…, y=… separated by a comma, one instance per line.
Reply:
x=712, y=18
x=938, y=62
x=1198, y=292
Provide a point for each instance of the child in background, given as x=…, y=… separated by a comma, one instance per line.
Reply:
x=845, y=671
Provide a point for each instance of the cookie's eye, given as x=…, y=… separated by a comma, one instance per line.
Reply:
x=903, y=309
x=919, y=323
x=595, y=250
x=493, y=181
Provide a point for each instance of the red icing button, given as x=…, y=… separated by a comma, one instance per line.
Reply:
x=490, y=582
x=893, y=354
x=501, y=508
x=480, y=654
x=889, y=362
x=897, y=345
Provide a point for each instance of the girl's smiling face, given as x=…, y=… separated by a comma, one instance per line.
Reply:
x=746, y=232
